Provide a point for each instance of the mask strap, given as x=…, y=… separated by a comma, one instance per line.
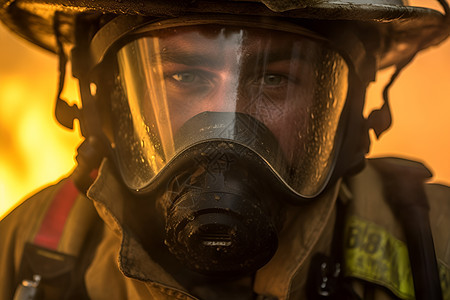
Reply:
x=65, y=113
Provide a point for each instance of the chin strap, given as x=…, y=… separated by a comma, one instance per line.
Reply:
x=92, y=150
x=381, y=119
x=65, y=113
x=89, y=157
x=446, y=8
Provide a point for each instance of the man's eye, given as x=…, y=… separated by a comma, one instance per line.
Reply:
x=273, y=79
x=184, y=77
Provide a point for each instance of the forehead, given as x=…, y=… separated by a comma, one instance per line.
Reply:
x=220, y=34
x=195, y=44
x=211, y=29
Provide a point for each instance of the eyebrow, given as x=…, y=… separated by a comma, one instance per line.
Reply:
x=214, y=61
x=254, y=56
x=187, y=58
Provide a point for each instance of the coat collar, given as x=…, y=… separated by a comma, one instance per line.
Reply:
x=307, y=229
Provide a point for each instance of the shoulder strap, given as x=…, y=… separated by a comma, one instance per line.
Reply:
x=60, y=271
x=52, y=226
x=403, y=183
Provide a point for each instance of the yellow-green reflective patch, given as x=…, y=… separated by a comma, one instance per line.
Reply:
x=444, y=274
x=372, y=254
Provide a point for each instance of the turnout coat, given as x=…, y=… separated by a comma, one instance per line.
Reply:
x=84, y=247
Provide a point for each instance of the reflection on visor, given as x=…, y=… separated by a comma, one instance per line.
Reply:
x=292, y=84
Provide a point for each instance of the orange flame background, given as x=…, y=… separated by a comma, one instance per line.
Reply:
x=35, y=150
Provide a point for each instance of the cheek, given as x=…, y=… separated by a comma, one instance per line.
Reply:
x=290, y=132
x=178, y=115
x=290, y=126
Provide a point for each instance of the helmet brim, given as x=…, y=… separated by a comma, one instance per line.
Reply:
x=408, y=29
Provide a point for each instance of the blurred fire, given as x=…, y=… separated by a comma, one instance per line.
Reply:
x=35, y=150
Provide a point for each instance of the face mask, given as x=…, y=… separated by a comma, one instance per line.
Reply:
x=221, y=216
x=226, y=120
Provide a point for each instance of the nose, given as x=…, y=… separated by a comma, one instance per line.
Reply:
x=224, y=96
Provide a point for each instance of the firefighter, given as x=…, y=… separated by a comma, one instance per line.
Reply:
x=224, y=155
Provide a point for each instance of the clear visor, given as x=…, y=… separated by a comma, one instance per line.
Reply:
x=293, y=84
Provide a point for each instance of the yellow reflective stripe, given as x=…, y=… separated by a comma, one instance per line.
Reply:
x=444, y=274
x=374, y=255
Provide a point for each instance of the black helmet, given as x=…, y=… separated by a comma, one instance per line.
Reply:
x=407, y=29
